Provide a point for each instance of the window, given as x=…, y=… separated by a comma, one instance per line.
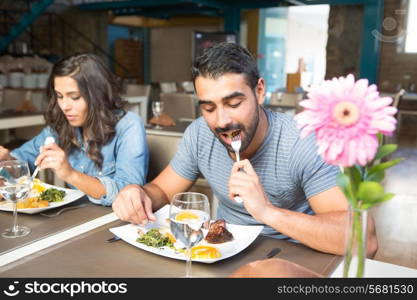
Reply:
x=411, y=37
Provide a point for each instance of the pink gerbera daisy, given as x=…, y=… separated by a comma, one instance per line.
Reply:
x=346, y=116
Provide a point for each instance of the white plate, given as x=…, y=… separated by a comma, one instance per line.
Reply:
x=70, y=196
x=243, y=237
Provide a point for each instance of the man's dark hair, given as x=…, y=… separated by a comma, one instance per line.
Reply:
x=226, y=58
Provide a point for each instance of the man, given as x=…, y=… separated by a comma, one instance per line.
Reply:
x=285, y=185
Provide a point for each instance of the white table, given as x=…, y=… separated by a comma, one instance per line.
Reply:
x=374, y=268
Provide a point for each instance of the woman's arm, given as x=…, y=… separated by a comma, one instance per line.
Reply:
x=131, y=158
x=53, y=157
x=129, y=154
x=90, y=185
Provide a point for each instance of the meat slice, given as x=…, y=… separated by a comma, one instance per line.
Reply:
x=218, y=233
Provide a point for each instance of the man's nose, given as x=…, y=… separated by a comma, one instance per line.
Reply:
x=223, y=118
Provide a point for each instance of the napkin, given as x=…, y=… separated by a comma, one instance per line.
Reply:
x=274, y=267
x=163, y=120
x=26, y=106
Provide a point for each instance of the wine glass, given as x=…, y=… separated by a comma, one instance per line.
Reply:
x=188, y=212
x=15, y=185
x=157, y=109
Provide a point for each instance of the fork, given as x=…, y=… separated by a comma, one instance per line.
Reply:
x=48, y=140
x=236, y=144
x=62, y=210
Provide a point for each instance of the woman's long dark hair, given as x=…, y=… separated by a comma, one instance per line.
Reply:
x=101, y=91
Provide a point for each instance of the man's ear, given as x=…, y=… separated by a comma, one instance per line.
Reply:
x=260, y=91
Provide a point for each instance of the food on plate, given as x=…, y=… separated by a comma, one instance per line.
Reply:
x=52, y=195
x=40, y=196
x=186, y=215
x=37, y=187
x=32, y=202
x=155, y=238
x=205, y=252
x=162, y=237
x=218, y=233
x=168, y=234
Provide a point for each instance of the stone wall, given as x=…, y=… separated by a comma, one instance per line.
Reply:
x=397, y=69
x=344, y=40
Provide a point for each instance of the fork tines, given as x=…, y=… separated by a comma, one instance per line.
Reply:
x=236, y=143
x=234, y=135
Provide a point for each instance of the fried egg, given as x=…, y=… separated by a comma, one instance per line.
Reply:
x=187, y=215
x=205, y=252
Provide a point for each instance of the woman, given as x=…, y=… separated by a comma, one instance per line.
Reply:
x=99, y=146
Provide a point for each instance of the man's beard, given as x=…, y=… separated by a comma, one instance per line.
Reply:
x=249, y=132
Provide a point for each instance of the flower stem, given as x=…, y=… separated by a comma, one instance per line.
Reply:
x=350, y=239
x=359, y=241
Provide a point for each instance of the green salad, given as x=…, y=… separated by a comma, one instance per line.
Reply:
x=154, y=238
x=52, y=195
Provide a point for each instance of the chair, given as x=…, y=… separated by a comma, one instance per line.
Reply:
x=399, y=97
x=158, y=160
x=168, y=87
x=282, y=101
x=138, y=96
x=179, y=106
x=187, y=86
x=395, y=103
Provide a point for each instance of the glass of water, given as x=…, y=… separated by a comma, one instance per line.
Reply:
x=157, y=109
x=188, y=212
x=15, y=185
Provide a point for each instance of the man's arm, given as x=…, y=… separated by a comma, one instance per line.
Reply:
x=165, y=186
x=135, y=204
x=325, y=231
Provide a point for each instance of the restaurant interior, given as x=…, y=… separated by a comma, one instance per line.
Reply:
x=150, y=46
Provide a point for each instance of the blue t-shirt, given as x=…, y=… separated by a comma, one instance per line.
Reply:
x=125, y=156
x=288, y=167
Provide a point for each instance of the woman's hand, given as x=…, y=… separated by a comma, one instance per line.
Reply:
x=53, y=157
x=5, y=154
x=247, y=185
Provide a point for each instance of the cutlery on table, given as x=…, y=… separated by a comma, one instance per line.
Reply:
x=273, y=252
x=236, y=144
x=113, y=239
x=48, y=140
x=62, y=210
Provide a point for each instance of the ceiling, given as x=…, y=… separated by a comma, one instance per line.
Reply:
x=215, y=8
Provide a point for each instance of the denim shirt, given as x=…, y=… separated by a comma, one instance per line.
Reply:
x=125, y=157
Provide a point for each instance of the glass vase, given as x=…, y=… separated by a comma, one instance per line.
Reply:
x=355, y=251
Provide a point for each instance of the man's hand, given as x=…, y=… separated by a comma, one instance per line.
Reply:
x=247, y=185
x=133, y=205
